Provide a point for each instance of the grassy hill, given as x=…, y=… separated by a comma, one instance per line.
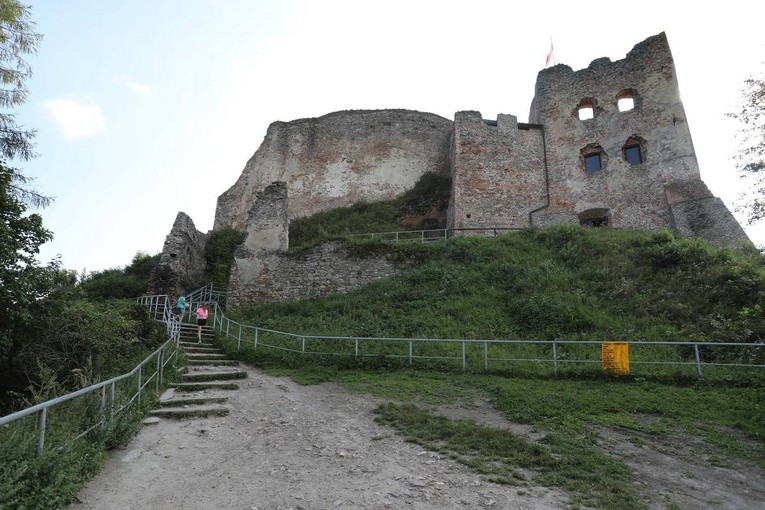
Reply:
x=560, y=283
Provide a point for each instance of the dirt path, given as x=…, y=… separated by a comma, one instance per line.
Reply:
x=286, y=446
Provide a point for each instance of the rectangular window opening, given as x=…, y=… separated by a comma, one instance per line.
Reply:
x=632, y=155
x=592, y=163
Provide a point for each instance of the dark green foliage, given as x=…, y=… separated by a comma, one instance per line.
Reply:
x=219, y=254
x=22, y=279
x=75, y=341
x=127, y=283
x=421, y=208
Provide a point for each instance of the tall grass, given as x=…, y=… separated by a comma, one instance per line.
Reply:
x=566, y=283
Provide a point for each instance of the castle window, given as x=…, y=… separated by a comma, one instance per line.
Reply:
x=634, y=149
x=633, y=155
x=593, y=158
x=586, y=109
x=625, y=100
x=592, y=163
x=626, y=104
x=594, y=218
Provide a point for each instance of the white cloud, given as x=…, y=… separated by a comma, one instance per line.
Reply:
x=76, y=120
x=138, y=88
x=133, y=86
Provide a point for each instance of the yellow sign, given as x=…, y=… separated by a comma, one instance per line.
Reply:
x=615, y=357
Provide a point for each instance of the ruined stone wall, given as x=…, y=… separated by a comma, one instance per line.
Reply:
x=326, y=269
x=497, y=172
x=181, y=263
x=633, y=195
x=340, y=159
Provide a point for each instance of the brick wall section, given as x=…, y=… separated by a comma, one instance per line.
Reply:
x=326, y=269
x=340, y=159
x=497, y=172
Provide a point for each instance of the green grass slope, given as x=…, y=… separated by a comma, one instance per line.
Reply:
x=561, y=283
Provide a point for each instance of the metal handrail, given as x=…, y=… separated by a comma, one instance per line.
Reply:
x=219, y=319
x=432, y=234
x=162, y=360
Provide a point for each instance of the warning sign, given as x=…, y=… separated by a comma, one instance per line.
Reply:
x=615, y=357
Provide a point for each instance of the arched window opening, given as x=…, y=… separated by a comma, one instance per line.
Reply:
x=594, y=218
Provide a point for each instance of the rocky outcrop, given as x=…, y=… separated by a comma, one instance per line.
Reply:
x=182, y=263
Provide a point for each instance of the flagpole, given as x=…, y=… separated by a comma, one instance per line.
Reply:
x=552, y=50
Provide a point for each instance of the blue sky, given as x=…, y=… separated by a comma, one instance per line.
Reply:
x=147, y=108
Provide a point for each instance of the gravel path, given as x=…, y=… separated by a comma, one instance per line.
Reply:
x=286, y=446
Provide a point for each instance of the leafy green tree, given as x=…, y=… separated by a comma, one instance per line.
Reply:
x=130, y=282
x=17, y=40
x=22, y=279
x=751, y=159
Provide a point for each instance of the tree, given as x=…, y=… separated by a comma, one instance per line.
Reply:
x=17, y=41
x=22, y=279
x=750, y=162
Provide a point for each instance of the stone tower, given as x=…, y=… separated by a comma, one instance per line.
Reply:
x=619, y=150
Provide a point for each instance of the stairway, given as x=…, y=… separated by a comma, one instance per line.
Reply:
x=201, y=392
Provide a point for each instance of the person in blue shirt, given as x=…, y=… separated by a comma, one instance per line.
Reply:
x=181, y=306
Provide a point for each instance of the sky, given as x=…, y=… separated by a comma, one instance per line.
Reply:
x=145, y=108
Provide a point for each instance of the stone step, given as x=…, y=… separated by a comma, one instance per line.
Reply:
x=180, y=413
x=193, y=400
x=212, y=362
x=195, y=343
x=216, y=375
x=195, y=348
x=202, y=355
x=205, y=385
x=192, y=336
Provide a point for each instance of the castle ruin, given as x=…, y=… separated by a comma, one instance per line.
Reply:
x=606, y=146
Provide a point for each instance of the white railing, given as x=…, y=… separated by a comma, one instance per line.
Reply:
x=151, y=369
x=422, y=236
x=484, y=352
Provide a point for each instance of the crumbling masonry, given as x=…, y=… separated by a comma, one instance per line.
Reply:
x=608, y=145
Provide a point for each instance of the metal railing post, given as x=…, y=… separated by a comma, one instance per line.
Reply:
x=42, y=417
x=356, y=352
x=486, y=356
x=239, y=338
x=140, y=370
x=555, y=358
x=156, y=379
x=111, y=402
x=410, y=352
x=698, y=359
x=161, y=366
x=463, y=356
x=102, y=407
x=302, y=348
x=255, y=344
x=228, y=326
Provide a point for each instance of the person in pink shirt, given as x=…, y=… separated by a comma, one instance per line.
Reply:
x=202, y=314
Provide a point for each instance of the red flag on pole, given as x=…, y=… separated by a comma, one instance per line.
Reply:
x=550, y=57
